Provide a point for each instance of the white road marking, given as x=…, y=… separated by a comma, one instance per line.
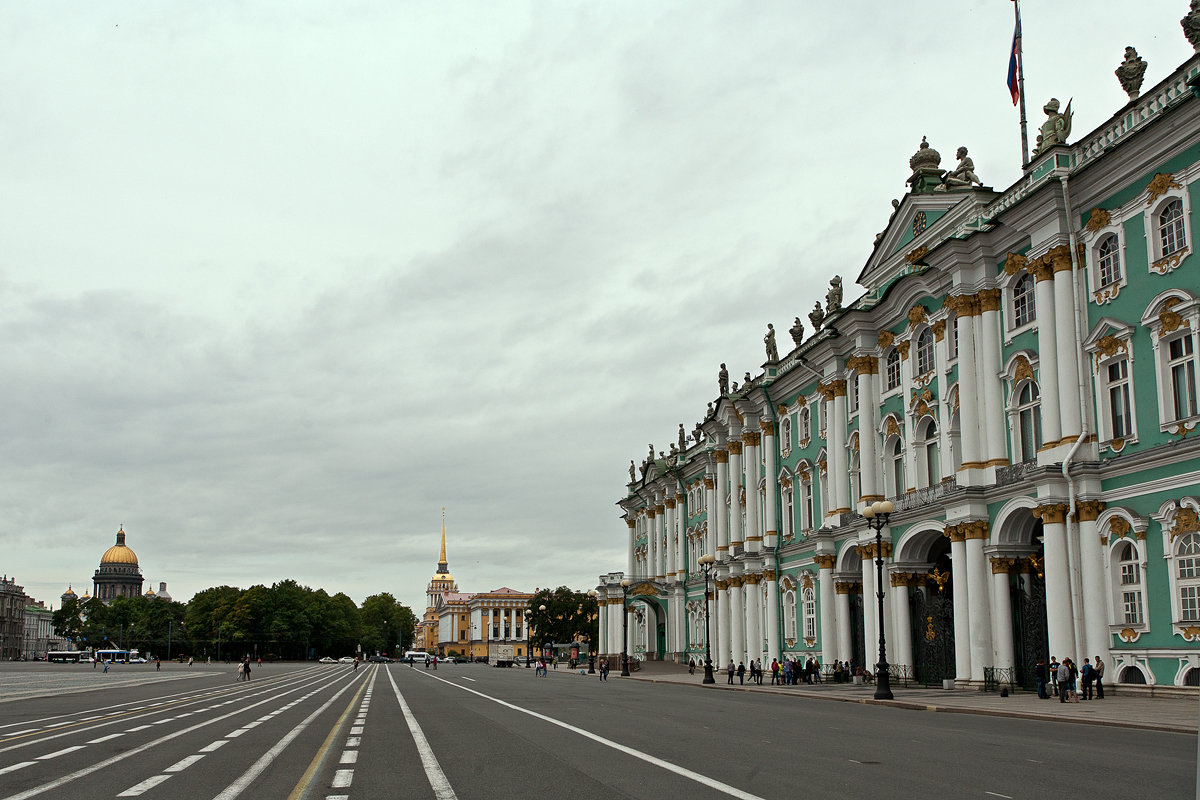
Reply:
x=465, y=678
x=163, y=721
x=337, y=797
x=184, y=763
x=15, y=767
x=357, y=730
x=353, y=741
x=993, y=794
x=703, y=780
x=58, y=753
x=22, y=733
x=138, y=728
x=149, y=783
x=349, y=757
x=442, y=789
x=106, y=738
x=342, y=779
x=211, y=747
x=235, y=734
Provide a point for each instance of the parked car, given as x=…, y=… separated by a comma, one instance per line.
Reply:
x=327, y=660
x=347, y=659
x=138, y=660
x=448, y=660
x=380, y=660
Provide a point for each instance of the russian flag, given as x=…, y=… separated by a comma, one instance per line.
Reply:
x=1013, y=88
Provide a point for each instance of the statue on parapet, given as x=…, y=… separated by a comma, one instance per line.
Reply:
x=698, y=434
x=1131, y=73
x=682, y=438
x=650, y=460
x=746, y=381
x=711, y=410
x=961, y=176
x=769, y=342
x=632, y=471
x=833, y=298
x=1056, y=128
x=723, y=380
x=816, y=317
x=1191, y=26
x=797, y=332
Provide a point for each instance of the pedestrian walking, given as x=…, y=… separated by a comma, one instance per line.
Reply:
x=1039, y=672
x=604, y=669
x=158, y=665
x=741, y=673
x=1099, y=673
x=774, y=671
x=1054, y=665
x=1062, y=680
x=729, y=670
x=1086, y=676
x=246, y=667
x=691, y=666
x=239, y=671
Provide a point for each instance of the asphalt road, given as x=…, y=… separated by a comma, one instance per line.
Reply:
x=469, y=731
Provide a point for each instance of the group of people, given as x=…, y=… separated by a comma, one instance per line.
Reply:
x=790, y=671
x=244, y=670
x=1060, y=678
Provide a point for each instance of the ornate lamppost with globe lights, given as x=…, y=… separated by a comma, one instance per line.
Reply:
x=877, y=515
x=591, y=650
x=706, y=562
x=625, y=628
x=528, y=638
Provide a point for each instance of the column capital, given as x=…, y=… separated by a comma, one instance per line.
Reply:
x=735, y=448
x=1004, y=566
x=650, y=513
x=659, y=509
x=752, y=579
x=978, y=529
x=1088, y=510
x=1051, y=513
x=939, y=329
x=767, y=427
x=721, y=455
x=963, y=305
x=863, y=365
x=955, y=533
x=847, y=587
x=630, y=522
x=769, y=575
x=710, y=482
x=824, y=561
x=670, y=503
x=902, y=348
x=989, y=300
x=751, y=438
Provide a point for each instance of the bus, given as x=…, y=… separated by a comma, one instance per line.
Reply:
x=117, y=656
x=68, y=656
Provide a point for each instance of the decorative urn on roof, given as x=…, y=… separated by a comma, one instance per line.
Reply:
x=926, y=172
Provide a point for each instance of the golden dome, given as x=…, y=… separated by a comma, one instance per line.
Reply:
x=68, y=592
x=119, y=553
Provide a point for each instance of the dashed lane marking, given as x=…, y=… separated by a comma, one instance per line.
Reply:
x=349, y=757
x=144, y=786
x=106, y=738
x=58, y=753
x=212, y=747
x=15, y=767
x=300, y=790
x=342, y=778
x=438, y=781
x=184, y=763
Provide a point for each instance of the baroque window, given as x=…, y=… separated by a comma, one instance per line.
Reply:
x=1027, y=421
x=892, y=370
x=925, y=360
x=1171, y=234
x=810, y=613
x=1187, y=565
x=1108, y=260
x=1024, y=311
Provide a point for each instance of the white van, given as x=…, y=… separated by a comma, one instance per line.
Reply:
x=416, y=656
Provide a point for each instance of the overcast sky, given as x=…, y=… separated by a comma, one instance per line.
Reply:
x=278, y=281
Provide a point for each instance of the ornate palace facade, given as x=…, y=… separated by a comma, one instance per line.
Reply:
x=1019, y=377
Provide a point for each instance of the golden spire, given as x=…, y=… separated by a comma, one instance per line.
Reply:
x=442, y=563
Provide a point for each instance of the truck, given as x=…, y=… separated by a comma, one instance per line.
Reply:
x=500, y=655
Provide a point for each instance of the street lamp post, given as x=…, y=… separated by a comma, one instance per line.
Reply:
x=542, y=608
x=706, y=562
x=170, y=627
x=528, y=639
x=877, y=515
x=591, y=651
x=625, y=628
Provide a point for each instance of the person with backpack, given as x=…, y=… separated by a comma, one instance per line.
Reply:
x=1087, y=674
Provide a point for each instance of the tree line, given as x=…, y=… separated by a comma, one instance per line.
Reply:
x=282, y=621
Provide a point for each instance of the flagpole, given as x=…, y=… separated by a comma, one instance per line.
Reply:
x=1021, y=89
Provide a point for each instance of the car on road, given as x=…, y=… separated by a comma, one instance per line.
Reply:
x=447, y=660
x=327, y=660
x=347, y=659
x=380, y=660
x=138, y=660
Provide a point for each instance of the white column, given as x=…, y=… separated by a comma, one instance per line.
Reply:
x=773, y=648
x=844, y=648
x=1048, y=372
x=614, y=626
x=961, y=571
x=602, y=642
x=1091, y=557
x=837, y=444
x=866, y=553
x=631, y=641
x=736, y=534
x=754, y=628
x=720, y=510
x=682, y=549
x=868, y=412
x=978, y=595
x=969, y=417
x=651, y=544
x=631, y=559
x=1002, y=637
x=660, y=536
x=737, y=619
x=991, y=387
x=669, y=572
x=710, y=504
x=723, y=627
x=771, y=499
x=829, y=630
x=751, y=440
x=1064, y=312
x=900, y=636
x=1059, y=614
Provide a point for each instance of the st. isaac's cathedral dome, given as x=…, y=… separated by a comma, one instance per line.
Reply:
x=118, y=575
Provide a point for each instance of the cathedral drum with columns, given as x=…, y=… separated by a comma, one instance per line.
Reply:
x=1019, y=377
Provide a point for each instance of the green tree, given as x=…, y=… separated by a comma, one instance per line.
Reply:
x=68, y=620
x=570, y=616
x=386, y=624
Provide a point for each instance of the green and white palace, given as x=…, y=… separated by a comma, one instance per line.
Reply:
x=1019, y=377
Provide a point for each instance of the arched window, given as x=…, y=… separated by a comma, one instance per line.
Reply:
x=1029, y=421
x=785, y=434
x=810, y=613
x=1181, y=365
x=855, y=476
x=1171, y=237
x=804, y=419
x=789, y=513
x=807, y=509
x=1187, y=565
x=789, y=614
x=1108, y=259
x=892, y=370
x=894, y=457
x=930, y=466
x=925, y=362
x=1128, y=571
x=1023, y=307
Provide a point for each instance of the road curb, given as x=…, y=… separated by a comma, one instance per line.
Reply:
x=943, y=709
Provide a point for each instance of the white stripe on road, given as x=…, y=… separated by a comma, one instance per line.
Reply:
x=342, y=779
x=58, y=753
x=106, y=738
x=465, y=678
x=15, y=767
x=211, y=747
x=184, y=763
x=349, y=757
x=442, y=789
x=149, y=783
x=703, y=780
x=138, y=728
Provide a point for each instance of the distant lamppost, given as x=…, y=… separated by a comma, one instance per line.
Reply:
x=170, y=627
x=706, y=562
x=542, y=608
x=528, y=638
x=591, y=650
x=877, y=515
x=625, y=628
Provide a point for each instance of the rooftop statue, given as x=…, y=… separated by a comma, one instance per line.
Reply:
x=895, y=208
x=1191, y=26
x=675, y=449
x=1132, y=72
x=926, y=174
x=962, y=175
x=682, y=438
x=711, y=410
x=651, y=459
x=632, y=472
x=698, y=434
x=735, y=387
x=769, y=341
x=833, y=298
x=1055, y=129
x=816, y=317
x=797, y=332
x=746, y=381
x=723, y=380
